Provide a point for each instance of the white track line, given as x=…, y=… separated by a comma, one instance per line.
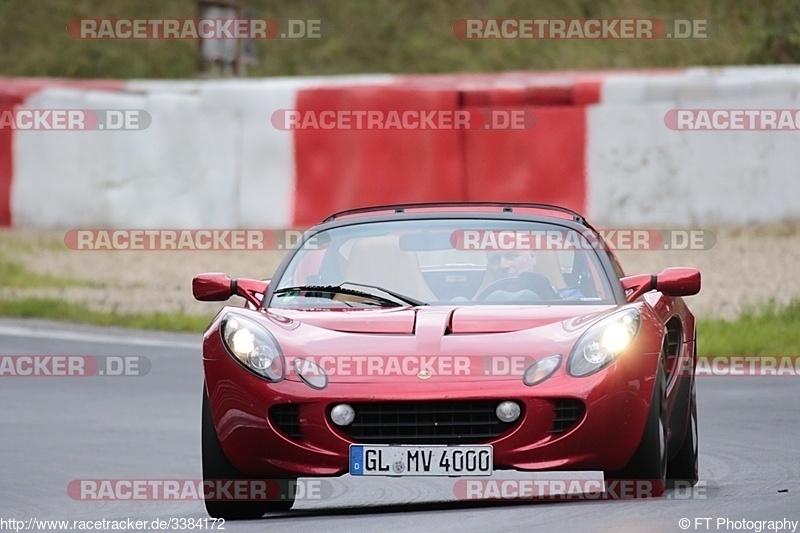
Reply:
x=39, y=333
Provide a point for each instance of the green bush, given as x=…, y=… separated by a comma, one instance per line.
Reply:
x=395, y=36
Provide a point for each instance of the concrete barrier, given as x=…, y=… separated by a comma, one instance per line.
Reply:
x=211, y=157
x=642, y=172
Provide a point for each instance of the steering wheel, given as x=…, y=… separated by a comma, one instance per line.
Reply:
x=526, y=280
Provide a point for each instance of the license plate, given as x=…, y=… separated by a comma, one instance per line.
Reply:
x=387, y=460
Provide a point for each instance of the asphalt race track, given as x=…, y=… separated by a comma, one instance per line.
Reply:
x=55, y=430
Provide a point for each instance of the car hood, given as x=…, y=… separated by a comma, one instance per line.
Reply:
x=454, y=320
x=397, y=321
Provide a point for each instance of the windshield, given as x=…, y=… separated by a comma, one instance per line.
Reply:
x=443, y=262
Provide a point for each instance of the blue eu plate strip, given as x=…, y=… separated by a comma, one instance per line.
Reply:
x=357, y=460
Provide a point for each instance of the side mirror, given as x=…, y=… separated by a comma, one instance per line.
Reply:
x=677, y=281
x=217, y=287
x=212, y=287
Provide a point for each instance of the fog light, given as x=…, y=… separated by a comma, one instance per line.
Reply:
x=343, y=414
x=508, y=411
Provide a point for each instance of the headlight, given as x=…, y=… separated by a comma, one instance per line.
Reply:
x=253, y=346
x=603, y=342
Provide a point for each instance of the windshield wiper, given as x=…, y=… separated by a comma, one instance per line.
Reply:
x=402, y=297
x=397, y=299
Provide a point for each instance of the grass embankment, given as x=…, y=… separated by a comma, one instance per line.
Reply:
x=768, y=330
x=408, y=36
x=15, y=275
x=57, y=309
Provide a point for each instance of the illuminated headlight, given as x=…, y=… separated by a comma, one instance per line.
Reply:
x=604, y=342
x=311, y=373
x=343, y=414
x=541, y=370
x=508, y=411
x=253, y=346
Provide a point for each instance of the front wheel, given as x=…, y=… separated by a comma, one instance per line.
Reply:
x=649, y=464
x=216, y=466
x=683, y=468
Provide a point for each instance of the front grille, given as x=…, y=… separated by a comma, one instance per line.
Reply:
x=453, y=422
x=568, y=413
x=286, y=418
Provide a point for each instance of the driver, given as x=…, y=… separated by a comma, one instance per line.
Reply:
x=512, y=263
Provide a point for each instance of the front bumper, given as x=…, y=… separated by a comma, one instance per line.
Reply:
x=616, y=403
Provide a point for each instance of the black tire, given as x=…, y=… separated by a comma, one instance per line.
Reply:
x=217, y=466
x=649, y=462
x=683, y=468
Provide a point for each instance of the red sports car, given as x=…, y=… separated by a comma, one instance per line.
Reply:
x=449, y=340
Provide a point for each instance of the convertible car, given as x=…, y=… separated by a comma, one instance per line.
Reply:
x=454, y=339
